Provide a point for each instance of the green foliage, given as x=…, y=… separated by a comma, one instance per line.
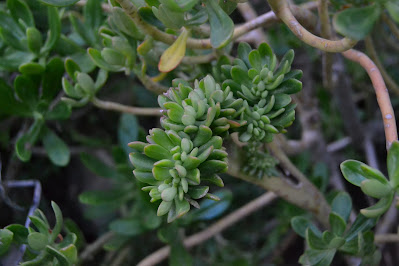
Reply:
x=357, y=240
x=45, y=244
x=265, y=87
x=373, y=183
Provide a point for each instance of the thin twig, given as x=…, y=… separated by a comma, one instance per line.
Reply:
x=386, y=238
x=248, y=13
x=263, y=20
x=392, y=26
x=94, y=247
x=286, y=162
x=282, y=10
x=326, y=33
x=126, y=109
x=215, y=228
x=374, y=56
x=381, y=92
x=121, y=257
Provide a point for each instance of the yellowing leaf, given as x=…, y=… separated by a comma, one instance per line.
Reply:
x=172, y=56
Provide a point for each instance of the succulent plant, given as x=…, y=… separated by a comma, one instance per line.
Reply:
x=265, y=87
x=173, y=164
x=206, y=105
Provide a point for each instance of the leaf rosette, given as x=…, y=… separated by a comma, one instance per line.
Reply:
x=188, y=109
x=265, y=87
x=174, y=164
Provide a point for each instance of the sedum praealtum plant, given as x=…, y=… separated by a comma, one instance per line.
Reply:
x=220, y=104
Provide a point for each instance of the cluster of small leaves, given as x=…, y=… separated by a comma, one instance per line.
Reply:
x=32, y=95
x=357, y=240
x=259, y=163
x=358, y=20
x=373, y=183
x=44, y=245
x=175, y=160
x=264, y=85
x=190, y=13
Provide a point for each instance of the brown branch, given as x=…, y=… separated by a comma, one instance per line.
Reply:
x=249, y=14
x=212, y=230
x=392, y=26
x=326, y=33
x=93, y=248
x=381, y=92
x=126, y=109
x=282, y=10
x=386, y=238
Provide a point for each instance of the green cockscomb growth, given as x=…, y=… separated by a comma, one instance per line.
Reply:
x=174, y=164
x=265, y=86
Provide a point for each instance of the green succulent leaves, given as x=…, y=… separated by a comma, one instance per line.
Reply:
x=358, y=240
x=373, y=183
x=265, y=87
x=172, y=165
x=42, y=243
x=254, y=101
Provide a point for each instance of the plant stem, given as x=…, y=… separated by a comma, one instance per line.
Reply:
x=383, y=238
x=282, y=10
x=374, y=56
x=126, y=109
x=91, y=249
x=263, y=20
x=392, y=26
x=304, y=194
x=212, y=230
x=381, y=92
x=327, y=34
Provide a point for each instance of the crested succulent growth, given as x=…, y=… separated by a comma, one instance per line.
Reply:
x=259, y=163
x=265, y=87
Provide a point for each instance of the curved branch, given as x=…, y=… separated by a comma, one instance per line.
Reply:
x=326, y=32
x=381, y=91
x=215, y=228
x=392, y=26
x=282, y=10
x=126, y=109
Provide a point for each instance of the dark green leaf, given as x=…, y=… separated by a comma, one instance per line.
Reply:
x=55, y=29
x=59, y=3
x=222, y=27
x=97, y=198
x=63, y=261
x=128, y=130
x=8, y=103
x=356, y=22
x=127, y=227
x=20, y=233
x=51, y=84
x=37, y=241
x=98, y=167
x=27, y=90
x=337, y=223
x=342, y=205
x=361, y=224
x=6, y=237
x=56, y=148
x=20, y=10
x=393, y=164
